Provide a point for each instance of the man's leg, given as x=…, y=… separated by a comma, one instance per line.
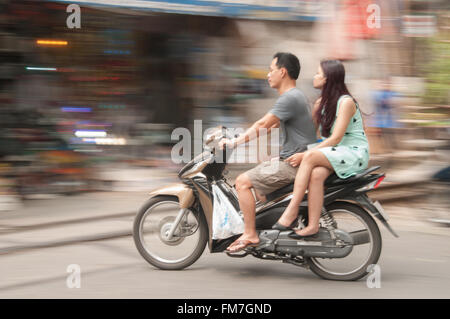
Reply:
x=264, y=179
x=260, y=197
x=247, y=205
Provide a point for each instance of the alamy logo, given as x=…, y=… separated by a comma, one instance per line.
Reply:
x=74, y=279
x=374, y=19
x=261, y=145
x=374, y=279
x=73, y=20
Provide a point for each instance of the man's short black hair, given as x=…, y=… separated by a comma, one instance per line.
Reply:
x=290, y=62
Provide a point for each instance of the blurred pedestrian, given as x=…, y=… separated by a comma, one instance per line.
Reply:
x=384, y=117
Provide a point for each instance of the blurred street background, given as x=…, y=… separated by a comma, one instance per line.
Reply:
x=87, y=113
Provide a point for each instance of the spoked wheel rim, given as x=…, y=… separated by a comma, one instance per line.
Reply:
x=154, y=227
x=361, y=254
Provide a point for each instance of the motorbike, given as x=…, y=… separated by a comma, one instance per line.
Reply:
x=173, y=227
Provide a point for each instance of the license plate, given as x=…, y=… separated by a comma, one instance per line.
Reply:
x=381, y=210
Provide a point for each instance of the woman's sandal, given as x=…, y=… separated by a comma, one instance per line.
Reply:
x=294, y=235
x=280, y=227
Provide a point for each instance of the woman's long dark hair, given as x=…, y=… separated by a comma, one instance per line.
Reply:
x=333, y=88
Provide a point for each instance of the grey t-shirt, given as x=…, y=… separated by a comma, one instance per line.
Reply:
x=296, y=124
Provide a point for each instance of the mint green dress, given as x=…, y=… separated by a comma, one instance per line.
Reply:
x=351, y=155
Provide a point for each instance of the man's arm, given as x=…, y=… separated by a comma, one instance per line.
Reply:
x=268, y=122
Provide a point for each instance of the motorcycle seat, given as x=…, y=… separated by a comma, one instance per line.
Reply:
x=332, y=180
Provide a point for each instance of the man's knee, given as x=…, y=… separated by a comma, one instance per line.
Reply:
x=260, y=197
x=243, y=182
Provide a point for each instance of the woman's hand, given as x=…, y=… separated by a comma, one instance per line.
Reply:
x=295, y=160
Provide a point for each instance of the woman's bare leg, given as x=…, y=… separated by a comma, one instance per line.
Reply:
x=315, y=199
x=311, y=160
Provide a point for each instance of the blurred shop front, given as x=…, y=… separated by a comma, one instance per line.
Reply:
x=112, y=90
x=127, y=68
x=75, y=100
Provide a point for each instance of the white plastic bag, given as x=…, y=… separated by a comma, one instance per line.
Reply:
x=226, y=220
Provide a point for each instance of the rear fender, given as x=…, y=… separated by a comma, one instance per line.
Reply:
x=368, y=205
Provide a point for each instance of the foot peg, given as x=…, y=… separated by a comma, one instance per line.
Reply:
x=237, y=255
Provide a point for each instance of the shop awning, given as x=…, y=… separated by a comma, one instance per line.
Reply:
x=284, y=10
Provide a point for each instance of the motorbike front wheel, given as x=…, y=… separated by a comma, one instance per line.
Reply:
x=151, y=226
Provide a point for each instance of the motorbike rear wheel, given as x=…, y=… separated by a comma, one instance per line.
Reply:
x=150, y=229
x=350, y=217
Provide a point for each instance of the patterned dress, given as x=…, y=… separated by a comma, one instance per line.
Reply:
x=351, y=155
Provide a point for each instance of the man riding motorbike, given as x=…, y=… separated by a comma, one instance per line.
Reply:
x=291, y=113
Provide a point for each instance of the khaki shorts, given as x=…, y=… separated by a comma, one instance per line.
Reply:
x=271, y=175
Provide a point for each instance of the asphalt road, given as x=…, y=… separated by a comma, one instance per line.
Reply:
x=416, y=265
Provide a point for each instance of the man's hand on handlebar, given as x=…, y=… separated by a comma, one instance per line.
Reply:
x=229, y=143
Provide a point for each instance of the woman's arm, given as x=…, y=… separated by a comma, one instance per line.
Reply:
x=346, y=111
x=345, y=114
x=314, y=111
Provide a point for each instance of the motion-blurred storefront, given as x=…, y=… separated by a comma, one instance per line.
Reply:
x=113, y=85
x=132, y=71
x=113, y=88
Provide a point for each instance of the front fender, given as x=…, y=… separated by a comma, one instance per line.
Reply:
x=183, y=192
